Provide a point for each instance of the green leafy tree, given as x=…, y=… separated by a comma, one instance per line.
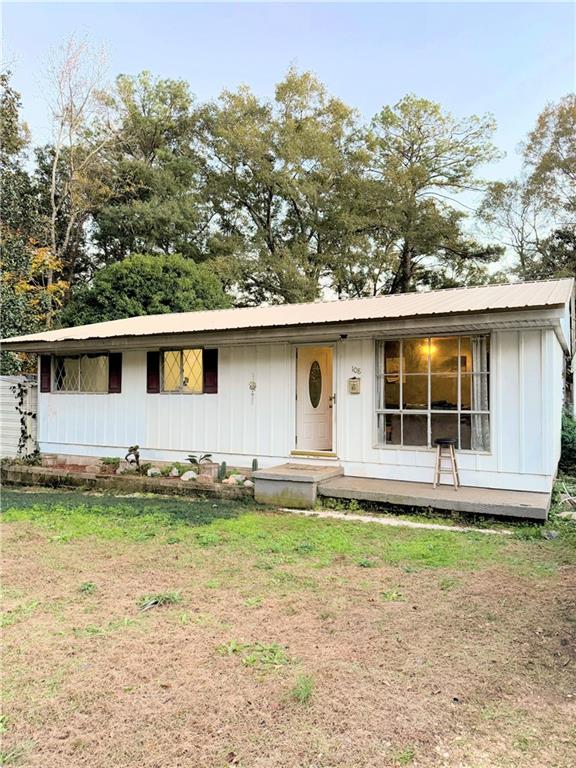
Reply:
x=25, y=259
x=421, y=158
x=274, y=171
x=550, y=154
x=145, y=285
x=155, y=204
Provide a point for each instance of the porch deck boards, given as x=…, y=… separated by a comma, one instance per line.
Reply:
x=486, y=501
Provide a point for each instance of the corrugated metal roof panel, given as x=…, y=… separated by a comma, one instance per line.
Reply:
x=514, y=296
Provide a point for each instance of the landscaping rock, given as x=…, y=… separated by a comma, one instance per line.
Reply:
x=550, y=534
x=205, y=479
x=174, y=472
x=238, y=479
x=248, y=484
x=189, y=475
x=95, y=468
x=154, y=472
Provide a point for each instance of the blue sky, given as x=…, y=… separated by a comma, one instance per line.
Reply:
x=505, y=58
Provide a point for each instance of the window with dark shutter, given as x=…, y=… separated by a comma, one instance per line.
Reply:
x=115, y=373
x=153, y=372
x=45, y=373
x=210, y=367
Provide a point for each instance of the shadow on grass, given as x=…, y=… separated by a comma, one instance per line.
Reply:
x=163, y=510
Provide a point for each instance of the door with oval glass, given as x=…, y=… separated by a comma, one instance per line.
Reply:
x=314, y=398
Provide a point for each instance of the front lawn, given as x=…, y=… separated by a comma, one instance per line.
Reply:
x=164, y=632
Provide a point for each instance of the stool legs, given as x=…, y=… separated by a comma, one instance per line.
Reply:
x=453, y=469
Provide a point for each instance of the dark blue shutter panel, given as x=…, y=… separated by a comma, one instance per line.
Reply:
x=153, y=372
x=210, y=369
x=115, y=373
x=45, y=373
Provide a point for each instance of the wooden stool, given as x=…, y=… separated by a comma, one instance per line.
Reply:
x=445, y=450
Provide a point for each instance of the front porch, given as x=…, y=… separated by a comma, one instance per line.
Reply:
x=299, y=485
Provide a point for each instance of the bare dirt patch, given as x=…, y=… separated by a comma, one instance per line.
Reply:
x=410, y=665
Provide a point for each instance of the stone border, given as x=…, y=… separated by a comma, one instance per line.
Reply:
x=22, y=474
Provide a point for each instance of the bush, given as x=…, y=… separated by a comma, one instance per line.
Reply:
x=568, y=455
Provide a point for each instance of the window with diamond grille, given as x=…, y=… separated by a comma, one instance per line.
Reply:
x=81, y=373
x=182, y=371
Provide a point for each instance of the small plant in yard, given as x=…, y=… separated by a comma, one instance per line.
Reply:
x=366, y=562
x=205, y=458
x=4, y=720
x=253, y=602
x=87, y=587
x=303, y=689
x=222, y=469
x=257, y=655
x=254, y=465
x=207, y=539
x=392, y=596
x=111, y=461
x=404, y=756
x=146, y=602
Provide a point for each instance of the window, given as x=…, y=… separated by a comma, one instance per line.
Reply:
x=433, y=387
x=81, y=373
x=182, y=371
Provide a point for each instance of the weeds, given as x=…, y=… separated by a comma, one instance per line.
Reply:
x=392, y=596
x=146, y=602
x=257, y=655
x=87, y=587
x=303, y=689
x=404, y=756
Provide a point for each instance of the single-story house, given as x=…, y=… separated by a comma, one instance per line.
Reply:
x=368, y=383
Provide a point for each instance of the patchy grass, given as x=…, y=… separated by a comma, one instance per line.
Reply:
x=303, y=689
x=257, y=655
x=299, y=641
x=146, y=602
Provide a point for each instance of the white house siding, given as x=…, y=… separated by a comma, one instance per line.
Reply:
x=236, y=425
x=10, y=427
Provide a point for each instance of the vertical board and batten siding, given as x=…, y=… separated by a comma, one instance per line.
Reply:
x=237, y=424
x=10, y=418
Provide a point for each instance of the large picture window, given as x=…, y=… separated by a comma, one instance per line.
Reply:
x=433, y=387
x=182, y=371
x=81, y=373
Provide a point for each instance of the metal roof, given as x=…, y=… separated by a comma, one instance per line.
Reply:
x=460, y=301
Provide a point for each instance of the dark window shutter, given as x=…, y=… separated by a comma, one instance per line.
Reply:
x=210, y=368
x=153, y=372
x=45, y=373
x=115, y=373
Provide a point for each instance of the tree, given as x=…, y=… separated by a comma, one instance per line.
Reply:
x=145, y=285
x=70, y=168
x=518, y=218
x=420, y=158
x=155, y=205
x=550, y=154
x=26, y=261
x=533, y=216
x=274, y=171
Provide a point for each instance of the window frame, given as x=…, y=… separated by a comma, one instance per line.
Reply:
x=181, y=391
x=54, y=368
x=458, y=412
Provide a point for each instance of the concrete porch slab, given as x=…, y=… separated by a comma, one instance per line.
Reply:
x=483, y=501
x=291, y=485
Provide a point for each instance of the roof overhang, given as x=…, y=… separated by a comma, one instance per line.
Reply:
x=469, y=322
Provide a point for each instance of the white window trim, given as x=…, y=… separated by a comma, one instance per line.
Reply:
x=455, y=412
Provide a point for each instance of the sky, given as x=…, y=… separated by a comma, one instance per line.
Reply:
x=508, y=59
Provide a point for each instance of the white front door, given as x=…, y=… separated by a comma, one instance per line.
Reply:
x=314, y=398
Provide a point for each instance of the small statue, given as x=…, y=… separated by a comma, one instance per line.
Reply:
x=133, y=455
